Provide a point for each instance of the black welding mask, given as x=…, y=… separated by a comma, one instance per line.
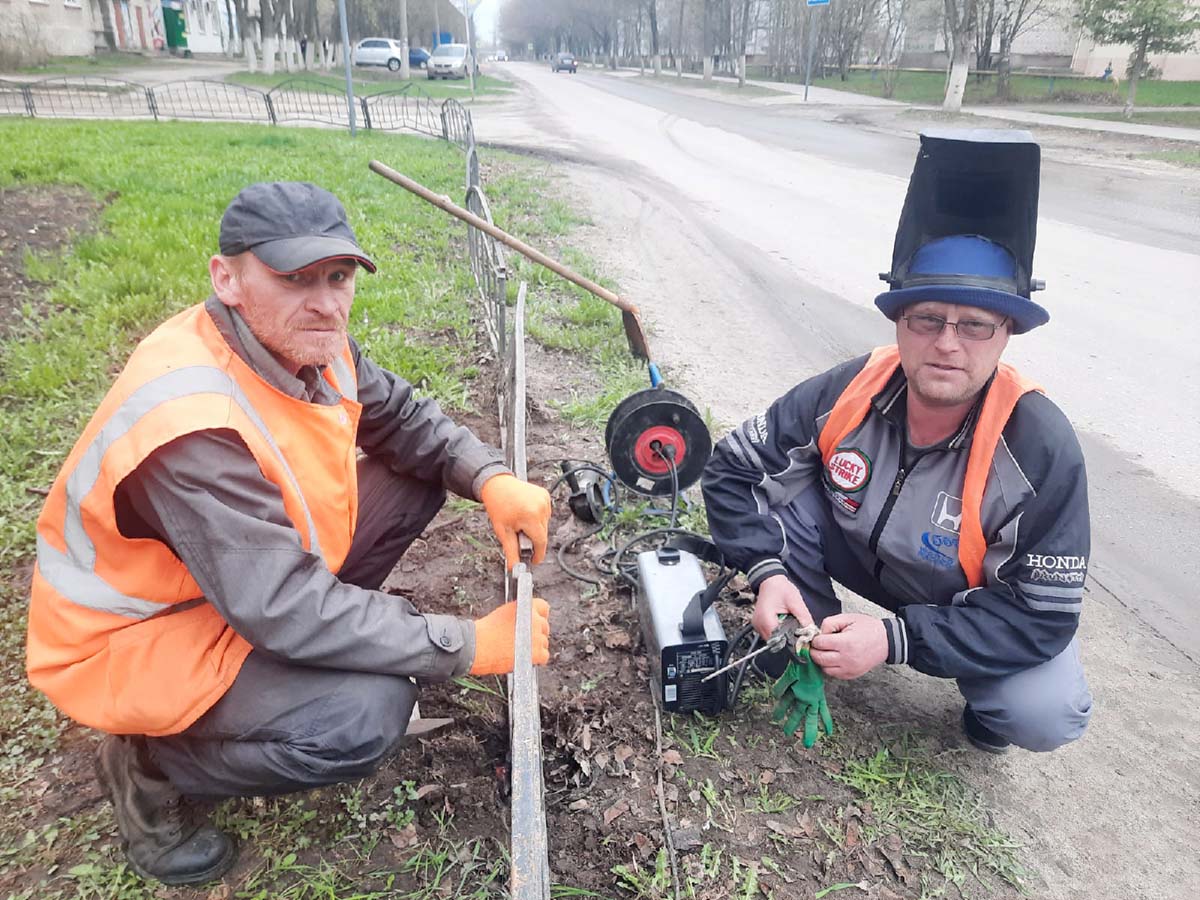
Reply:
x=969, y=225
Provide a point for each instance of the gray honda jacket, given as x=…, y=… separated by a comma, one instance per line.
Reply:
x=903, y=525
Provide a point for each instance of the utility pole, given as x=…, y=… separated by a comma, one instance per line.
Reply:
x=810, y=26
x=466, y=4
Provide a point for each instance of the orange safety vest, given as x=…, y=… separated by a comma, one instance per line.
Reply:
x=1006, y=389
x=120, y=637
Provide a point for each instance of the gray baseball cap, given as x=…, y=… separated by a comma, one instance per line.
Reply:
x=289, y=225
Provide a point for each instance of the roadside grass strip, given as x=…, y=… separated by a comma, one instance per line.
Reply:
x=1189, y=158
x=935, y=813
x=930, y=87
x=369, y=81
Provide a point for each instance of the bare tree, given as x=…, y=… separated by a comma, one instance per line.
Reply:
x=895, y=16
x=405, y=72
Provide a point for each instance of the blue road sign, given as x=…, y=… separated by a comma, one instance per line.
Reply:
x=818, y=2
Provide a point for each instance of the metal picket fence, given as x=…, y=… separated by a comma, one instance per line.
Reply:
x=299, y=100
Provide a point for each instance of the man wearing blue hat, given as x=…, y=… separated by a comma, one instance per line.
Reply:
x=927, y=476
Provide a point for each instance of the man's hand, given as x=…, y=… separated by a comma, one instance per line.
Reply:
x=495, y=638
x=850, y=645
x=515, y=506
x=777, y=596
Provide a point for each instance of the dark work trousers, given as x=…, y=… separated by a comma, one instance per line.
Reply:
x=283, y=727
x=1039, y=708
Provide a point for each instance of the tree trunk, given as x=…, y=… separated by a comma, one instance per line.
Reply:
x=1139, y=60
x=657, y=55
x=960, y=23
x=405, y=72
x=679, y=38
x=708, y=42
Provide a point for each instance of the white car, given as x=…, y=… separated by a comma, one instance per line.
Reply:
x=379, y=52
x=448, y=61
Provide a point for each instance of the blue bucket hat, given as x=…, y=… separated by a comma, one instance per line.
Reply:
x=965, y=269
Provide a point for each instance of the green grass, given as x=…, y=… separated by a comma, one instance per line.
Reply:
x=149, y=259
x=1180, y=118
x=100, y=64
x=930, y=88
x=370, y=82
x=721, y=87
x=1187, y=158
x=935, y=813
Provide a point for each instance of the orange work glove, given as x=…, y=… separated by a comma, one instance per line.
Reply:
x=496, y=633
x=514, y=505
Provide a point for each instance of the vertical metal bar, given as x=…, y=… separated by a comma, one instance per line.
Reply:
x=346, y=53
x=529, y=876
x=27, y=96
x=150, y=101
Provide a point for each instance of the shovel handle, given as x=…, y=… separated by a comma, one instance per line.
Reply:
x=445, y=204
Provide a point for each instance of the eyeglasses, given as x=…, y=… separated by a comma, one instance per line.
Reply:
x=967, y=329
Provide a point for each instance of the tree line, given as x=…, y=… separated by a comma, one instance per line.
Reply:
x=714, y=36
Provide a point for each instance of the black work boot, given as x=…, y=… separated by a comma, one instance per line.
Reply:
x=163, y=835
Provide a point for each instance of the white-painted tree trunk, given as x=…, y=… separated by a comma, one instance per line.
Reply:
x=269, y=44
x=741, y=70
x=708, y=67
x=957, y=85
x=251, y=56
x=657, y=63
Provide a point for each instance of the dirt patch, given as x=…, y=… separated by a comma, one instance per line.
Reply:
x=37, y=220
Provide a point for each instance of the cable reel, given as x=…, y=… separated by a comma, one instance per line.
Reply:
x=650, y=433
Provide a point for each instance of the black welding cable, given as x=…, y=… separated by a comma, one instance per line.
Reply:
x=735, y=687
x=562, y=550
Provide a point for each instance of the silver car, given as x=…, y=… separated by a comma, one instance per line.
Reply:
x=379, y=52
x=448, y=61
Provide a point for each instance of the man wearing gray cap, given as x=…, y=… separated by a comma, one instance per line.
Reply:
x=927, y=476
x=209, y=557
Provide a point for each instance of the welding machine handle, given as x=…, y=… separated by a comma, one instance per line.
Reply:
x=692, y=625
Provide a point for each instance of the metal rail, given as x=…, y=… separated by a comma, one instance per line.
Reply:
x=529, y=871
x=301, y=100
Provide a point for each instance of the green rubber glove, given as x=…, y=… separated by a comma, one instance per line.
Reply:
x=801, y=694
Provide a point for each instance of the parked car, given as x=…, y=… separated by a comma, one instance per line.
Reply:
x=448, y=61
x=379, y=52
x=501, y=56
x=418, y=57
x=563, y=62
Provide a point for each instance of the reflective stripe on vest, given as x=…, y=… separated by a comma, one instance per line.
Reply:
x=72, y=573
x=1006, y=389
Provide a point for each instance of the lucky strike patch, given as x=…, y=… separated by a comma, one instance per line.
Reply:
x=848, y=470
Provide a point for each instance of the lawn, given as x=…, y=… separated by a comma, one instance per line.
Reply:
x=100, y=64
x=930, y=87
x=367, y=82
x=1180, y=118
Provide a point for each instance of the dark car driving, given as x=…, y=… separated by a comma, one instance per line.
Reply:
x=563, y=62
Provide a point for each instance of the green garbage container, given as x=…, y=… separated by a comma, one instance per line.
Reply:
x=175, y=24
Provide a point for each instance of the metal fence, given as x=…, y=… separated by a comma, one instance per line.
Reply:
x=296, y=101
